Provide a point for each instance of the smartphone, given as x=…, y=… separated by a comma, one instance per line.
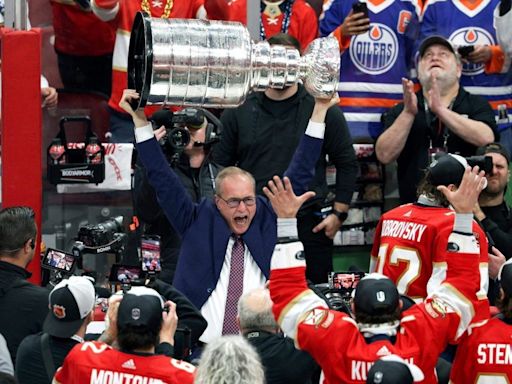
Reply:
x=344, y=280
x=359, y=7
x=125, y=274
x=465, y=50
x=150, y=252
x=59, y=260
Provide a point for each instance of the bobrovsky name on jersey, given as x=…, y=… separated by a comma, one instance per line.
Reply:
x=376, y=51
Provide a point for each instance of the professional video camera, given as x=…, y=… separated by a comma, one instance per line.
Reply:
x=484, y=162
x=338, y=290
x=99, y=235
x=179, y=123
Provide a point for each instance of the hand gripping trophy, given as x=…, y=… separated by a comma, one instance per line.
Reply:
x=215, y=64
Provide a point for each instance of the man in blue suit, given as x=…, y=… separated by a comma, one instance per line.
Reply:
x=227, y=242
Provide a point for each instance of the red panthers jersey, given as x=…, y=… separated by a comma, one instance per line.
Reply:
x=409, y=247
x=303, y=23
x=335, y=341
x=94, y=362
x=484, y=355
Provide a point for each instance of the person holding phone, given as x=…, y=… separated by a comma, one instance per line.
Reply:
x=485, y=71
x=376, y=42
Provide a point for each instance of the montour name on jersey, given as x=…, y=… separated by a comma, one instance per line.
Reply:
x=491, y=353
x=102, y=376
x=403, y=229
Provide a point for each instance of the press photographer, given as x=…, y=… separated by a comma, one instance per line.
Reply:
x=186, y=137
x=139, y=321
x=191, y=324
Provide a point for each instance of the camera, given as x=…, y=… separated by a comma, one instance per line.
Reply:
x=483, y=162
x=101, y=234
x=59, y=261
x=177, y=125
x=338, y=290
x=127, y=275
x=465, y=50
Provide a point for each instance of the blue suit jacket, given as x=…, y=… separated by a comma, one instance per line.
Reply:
x=204, y=231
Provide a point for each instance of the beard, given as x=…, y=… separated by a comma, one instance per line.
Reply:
x=445, y=79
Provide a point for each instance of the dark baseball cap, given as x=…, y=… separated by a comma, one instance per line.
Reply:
x=493, y=148
x=433, y=40
x=376, y=294
x=448, y=169
x=70, y=302
x=392, y=369
x=505, y=277
x=140, y=306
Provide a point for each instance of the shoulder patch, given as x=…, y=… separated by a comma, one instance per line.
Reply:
x=318, y=317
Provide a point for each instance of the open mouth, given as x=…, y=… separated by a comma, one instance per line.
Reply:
x=241, y=220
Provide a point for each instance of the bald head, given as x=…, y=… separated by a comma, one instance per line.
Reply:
x=255, y=311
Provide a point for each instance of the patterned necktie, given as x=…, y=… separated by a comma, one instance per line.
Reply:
x=235, y=288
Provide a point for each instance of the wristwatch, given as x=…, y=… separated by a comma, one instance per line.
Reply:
x=342, y=216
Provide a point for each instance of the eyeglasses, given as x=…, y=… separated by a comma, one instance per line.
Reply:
x=234, y=202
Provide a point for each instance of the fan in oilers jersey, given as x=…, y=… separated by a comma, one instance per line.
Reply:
x=377, y=53
x=407, y=238
x=468, y=25
x=346, y=348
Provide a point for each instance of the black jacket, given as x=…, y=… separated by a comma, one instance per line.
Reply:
x=23, y=306
x=189, y=318
x=30, y=368
x=283, y=363
x=261, y=136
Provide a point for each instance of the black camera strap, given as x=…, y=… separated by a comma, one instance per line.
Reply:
x=49, y=365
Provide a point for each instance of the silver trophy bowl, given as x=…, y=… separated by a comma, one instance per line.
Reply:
x=214, y=64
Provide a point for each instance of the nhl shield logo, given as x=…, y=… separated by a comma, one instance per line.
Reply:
x=59, y=311
x=376, y=51
x=135, y=313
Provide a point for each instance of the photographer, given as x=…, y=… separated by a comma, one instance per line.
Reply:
x=71, y=305
x=442, y=116
x=196, y=170
x=346, y=348
x=139, y=321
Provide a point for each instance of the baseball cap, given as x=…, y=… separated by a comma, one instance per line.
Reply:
x=448, y=169
x=493, y=148
x=392, y=369
x=376, y=294
x=435, y=39
x=505, y=277
x=140, y=306
x=70, y=302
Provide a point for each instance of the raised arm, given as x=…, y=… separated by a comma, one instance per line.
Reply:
x=302, y=166
x=172, y=196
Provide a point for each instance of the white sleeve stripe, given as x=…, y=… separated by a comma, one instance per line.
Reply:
x=451, y=296
x=285, y=256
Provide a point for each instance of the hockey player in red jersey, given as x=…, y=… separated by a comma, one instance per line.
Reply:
x=488, y=345
x=140, y=324
x=407, y=238
x=346, y=347
x=294, y=17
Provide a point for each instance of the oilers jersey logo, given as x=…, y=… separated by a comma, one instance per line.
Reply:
x=471, y=36
x=376, y=51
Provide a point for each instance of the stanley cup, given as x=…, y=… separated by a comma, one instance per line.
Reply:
x=214, y=64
